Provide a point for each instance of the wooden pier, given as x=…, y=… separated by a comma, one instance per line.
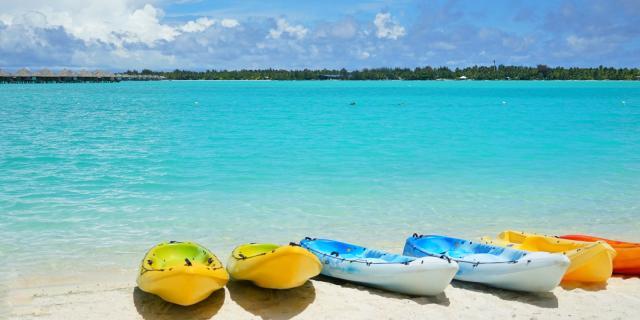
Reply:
x=68, y=76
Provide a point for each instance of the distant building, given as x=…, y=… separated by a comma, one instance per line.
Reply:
x=25, y=75
x=463, y=78
x=329, y=76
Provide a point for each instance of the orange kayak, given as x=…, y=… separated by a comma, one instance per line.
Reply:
x=627, y=260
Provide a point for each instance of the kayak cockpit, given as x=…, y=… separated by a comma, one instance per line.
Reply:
x=173, y=254
x=352, y=252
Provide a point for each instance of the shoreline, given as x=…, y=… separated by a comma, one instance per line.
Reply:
x=115, y=295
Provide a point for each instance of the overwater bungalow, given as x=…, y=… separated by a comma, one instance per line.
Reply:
x=45, y=75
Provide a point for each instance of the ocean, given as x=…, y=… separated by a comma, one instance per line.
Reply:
x=93, y=175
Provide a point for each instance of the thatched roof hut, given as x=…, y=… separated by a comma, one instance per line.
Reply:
x=85, y=73
x=24, y=72
x=43, y=73
x=66, y=73
x=102, y=74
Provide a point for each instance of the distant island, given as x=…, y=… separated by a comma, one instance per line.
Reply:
x=501, y=72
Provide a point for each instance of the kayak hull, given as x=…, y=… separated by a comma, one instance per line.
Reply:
x=590, y=262
x=493, y=266
x=413, y=276
x=272, y=266
x=165, y=273
x=627, y=260
x=184, y=286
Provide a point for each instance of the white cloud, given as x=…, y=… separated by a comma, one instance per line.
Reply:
x=363, y=55
x=229, y=23
x=387, y=28
x=197, y=25
x=143, y=26
x=282, y=27
x=114, y=22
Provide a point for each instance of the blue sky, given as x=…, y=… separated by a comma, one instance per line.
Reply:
x=199, y=34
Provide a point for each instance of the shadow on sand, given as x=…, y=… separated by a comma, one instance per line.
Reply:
x=440, y=299
x=572, y=285
x=538, y=299
x=626, y=276
x=150, y=307
x=271, y=303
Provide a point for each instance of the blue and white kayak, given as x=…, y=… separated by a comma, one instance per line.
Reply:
x=408, y=275
x=491, y=265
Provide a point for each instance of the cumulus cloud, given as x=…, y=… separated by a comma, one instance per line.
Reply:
x=283, y=27
x=143, y=26
x=27, y=45
x=119, y=34
x=115, y=22
x=197, y=25
x=387, y=28
x=229, y=23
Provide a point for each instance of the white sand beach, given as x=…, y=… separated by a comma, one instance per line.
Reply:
x=113, y=296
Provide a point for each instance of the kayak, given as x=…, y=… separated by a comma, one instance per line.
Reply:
x=627, y=260
x=183, y=273
x=273, y=266
x=590, y=261
x=494, y=266
x=408, y=275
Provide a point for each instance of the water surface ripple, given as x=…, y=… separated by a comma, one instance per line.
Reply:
x=94, y=174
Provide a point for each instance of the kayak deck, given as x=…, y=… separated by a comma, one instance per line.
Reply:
x=273, y=266
x=590, y=262
x=392, y=272
x=493, y=265
x=183, y=273
x=627, y=260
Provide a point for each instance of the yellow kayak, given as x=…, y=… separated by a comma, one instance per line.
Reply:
x=183, y=273
x=590, y=261
x=273, y=266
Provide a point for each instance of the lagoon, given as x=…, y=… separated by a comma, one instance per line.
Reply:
x=92, y=175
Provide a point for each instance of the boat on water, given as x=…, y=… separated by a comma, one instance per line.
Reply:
x=183, y=273
x=408, y=275
x=627, y=260
x=492, y=265
x=273, y=266
x=590, y=261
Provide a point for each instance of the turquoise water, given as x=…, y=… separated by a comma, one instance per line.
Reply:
x=92, y=175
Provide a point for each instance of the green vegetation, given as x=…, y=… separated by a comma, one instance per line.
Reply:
x=501, y=72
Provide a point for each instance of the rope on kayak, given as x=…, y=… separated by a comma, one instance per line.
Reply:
x=213, y=263
x=449, y=258
x=243, y=257
x=144, y=269
x=335, y=255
